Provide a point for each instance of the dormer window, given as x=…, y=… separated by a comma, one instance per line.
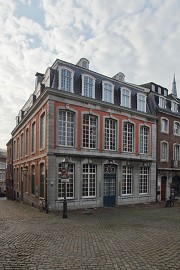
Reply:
x=107, y=92
x=162, y=102
x=174, y=106
x=159, y=90
x=88, y=86
x=165, y=92
x=126, y=97
x=66, y=77
x=141, y=102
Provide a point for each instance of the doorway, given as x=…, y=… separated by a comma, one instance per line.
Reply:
x=163, y=188
x=109, y=198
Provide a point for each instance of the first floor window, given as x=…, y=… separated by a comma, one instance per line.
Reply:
x=33, y=136
x=176, y=128
x=69, y=185
x=127, y=180
x=89, y=180
x=33, y=179
x=42, y=180
x=177, y=152
x=143, y=180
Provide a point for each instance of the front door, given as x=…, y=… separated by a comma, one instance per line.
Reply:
x=109, y=185
x=163, y=188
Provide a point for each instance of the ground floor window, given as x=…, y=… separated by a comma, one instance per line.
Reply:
x=143, y=180
x=89, y=180
x=33, y=179
x=127, y=180
x=69, y=185
x=42, y=180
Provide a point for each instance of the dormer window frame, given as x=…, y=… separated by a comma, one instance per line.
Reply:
x=174, y=106
x=83, y=85
x=162, y=102
x=61, y=68
x=104, y=89
x=140, y=102
x=127, y=96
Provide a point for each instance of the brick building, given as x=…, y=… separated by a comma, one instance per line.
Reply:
x=167, y=108
x=105, y=126
x=2, y=171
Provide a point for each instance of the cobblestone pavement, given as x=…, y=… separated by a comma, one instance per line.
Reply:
x=126, y=237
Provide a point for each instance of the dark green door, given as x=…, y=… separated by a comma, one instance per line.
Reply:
x=109, y=185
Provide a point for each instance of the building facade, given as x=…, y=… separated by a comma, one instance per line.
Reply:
x=9, y=171
x=167, y=107
x=103, y=125
x=2, y=172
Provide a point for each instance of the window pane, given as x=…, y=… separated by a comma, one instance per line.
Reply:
x=66, y=128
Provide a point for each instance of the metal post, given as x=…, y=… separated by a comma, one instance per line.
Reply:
x=64, y=203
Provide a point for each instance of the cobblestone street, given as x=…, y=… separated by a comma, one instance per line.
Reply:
x=125, y=237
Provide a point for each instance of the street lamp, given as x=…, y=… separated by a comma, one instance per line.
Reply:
x=65, y=180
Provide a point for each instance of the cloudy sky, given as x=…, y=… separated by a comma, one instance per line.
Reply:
x=140, y=38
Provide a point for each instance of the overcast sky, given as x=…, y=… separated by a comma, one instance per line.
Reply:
x=140, y=38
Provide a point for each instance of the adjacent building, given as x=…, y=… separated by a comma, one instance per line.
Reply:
x=167, y=108
x=2, y=172
x=105, y=126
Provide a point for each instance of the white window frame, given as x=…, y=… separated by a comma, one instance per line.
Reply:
x=64, y=126
x=143, y=180
x=27, y=142
x=163, y=125
x=110, y=134
x=69, y=186
x=164, y=156
x=162, y=102
x=83, y=85
x=127, y=94
x=22, y=144
x=42, y=132
x=33, y=137
x=89, y=175
x=89, y=131
x=127, y=135
x=175, y=129
x=144, y=140
x=141, y=102
x=176, y=152
x=126, y=180
x=72, y=79
x=104, y=89
x=174, y=106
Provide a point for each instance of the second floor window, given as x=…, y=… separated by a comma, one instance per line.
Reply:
x=110, y=134
x=33, y=137
x=126, y=98
x=66, y=128
x=88, y=86
x=42, y=130
x=89, y=131
x=164, y=151
x=144, y=140
x=22, y=145
x=128, y=137
x=164, y=125
x=108, y=92
x=177, y=128
x=27, y=141
x=66, y=80
x=141, y=102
